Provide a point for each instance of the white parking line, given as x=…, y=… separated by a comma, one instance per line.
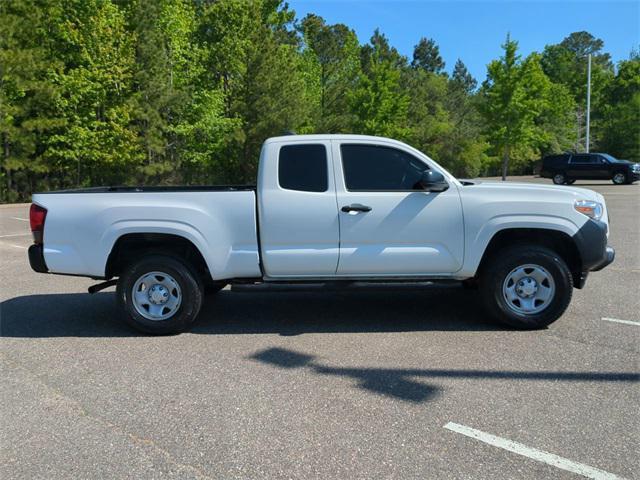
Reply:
x=15, y=235
x=617, y=320
x=533, y=453
x=21, y=219
x=17, y=246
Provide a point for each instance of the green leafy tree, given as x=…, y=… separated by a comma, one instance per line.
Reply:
x=621, y=129
x=97, y=142
x=428, y=117
x=517, y=98
x=173, y=91
x=566, y=64
x=28, y=96
x=262, y=77
x=333, y=51
x=156, y=97
x=465, y=149
x=378, y=102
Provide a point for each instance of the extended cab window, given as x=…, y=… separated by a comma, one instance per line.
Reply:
x=303, y=167
x=371, y=168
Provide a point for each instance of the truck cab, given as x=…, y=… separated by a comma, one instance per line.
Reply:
x=348, y=207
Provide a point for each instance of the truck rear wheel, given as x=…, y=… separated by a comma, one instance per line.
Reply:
x=526, y=287
x=160, y=295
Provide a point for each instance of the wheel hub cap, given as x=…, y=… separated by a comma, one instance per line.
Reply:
x=158, y=294
x=528, y=289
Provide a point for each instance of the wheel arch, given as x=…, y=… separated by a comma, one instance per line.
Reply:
x=556, y=240
x=130, y=246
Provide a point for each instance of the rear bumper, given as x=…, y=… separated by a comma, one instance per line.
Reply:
x=36, y=259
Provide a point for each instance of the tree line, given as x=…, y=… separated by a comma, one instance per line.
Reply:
x=97, y=92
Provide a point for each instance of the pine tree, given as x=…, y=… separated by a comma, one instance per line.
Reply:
x=462, y=79
x=426, y=55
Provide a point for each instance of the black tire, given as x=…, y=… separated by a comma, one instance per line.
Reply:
x=559, y=178
x=190, y=293
x=570, y=182
x=620, y=178
x=495, y=273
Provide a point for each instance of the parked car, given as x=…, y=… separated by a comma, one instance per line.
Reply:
x=569, y=167
x=326, y=208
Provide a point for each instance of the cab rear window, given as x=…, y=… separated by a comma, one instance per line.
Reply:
x=303, y=168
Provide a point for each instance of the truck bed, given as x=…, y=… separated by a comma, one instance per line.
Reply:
x=156, y=189
x=83, y=225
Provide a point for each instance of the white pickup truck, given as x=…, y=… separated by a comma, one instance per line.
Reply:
x=326, y=208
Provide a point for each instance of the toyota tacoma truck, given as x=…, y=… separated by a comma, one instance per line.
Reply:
x=326, y=208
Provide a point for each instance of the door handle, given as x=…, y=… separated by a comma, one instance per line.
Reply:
x=356, y=207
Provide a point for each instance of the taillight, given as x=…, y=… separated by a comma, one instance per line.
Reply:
x=37, y=216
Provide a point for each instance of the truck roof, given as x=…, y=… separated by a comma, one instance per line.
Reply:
x=330, y=136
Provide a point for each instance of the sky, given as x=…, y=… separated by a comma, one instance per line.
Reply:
x=474, y=30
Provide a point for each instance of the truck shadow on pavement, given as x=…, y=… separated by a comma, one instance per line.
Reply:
x=255, y=310
x=404, y=384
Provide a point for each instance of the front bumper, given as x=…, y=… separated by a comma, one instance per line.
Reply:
x=591, y=240
x=608, y=257
x=595, y=254
x=36, y=259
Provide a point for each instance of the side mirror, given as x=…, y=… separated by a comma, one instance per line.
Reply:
x=433, y=181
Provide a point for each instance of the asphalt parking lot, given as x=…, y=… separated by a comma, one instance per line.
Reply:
x=386, y=382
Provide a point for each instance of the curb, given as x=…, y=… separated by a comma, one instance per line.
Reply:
x=13, y=205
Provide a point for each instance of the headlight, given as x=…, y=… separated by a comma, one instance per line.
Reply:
x=636, y=167
x=589, y=208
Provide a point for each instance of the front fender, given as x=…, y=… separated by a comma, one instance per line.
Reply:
x=477, y=244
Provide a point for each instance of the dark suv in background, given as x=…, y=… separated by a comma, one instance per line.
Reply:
x=566, y=168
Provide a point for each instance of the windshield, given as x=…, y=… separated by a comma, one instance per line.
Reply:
x=610, y=158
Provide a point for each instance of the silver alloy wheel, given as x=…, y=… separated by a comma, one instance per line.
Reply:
x=619, y=178
x=528, y=289
x=559, y=179
x=156, y=296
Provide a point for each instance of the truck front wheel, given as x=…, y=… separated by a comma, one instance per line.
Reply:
x=160, y=295
x=526, y=287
